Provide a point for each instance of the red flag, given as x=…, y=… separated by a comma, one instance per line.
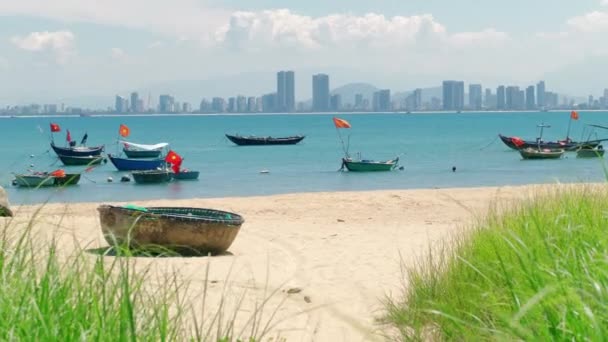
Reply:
x=574, y=115
x=341, y=123
x=517, y=141
x=59, y=173
x=55, y=128
x=173, y=158
x=176, y=167
x=68, y=137
x=124, y=131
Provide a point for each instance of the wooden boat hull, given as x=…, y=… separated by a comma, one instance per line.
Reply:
x=187, y=230
x=34, y=181
x=568, y=146
x=123, y=164
x=37, y=181
x=541, y=154
x=151, y=177
x=186, y=175
x=368, y=165
x=256, y=141
x=85, y=160
x=589, y=153
x=77, y=151
x=135, y=154
x=69, y=179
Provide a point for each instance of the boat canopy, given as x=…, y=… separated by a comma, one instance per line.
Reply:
x=143, y=147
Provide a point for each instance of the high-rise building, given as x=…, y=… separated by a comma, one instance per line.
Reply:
x=232, y=108
x=320, y=93
x=414, y=100
x=134, y=102
x=500, y=98
x=186, y=107
x=121, y=105
x=251, y=104
x=269, y=102
x=336, y=102
x=166, y=103
x=541, y=100
x=286, y=96
x=139, y=108
x=453, y=95
x=241, y=104
x=512, y=98
x=382, y=101
x=475, y=98
x=358, y=101
x=218, y=105
x=530, y=98
x=489, y=99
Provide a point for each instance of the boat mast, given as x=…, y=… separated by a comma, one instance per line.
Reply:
x=540, y=138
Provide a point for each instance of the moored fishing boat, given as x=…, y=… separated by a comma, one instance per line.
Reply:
x=33, y=180
x=133, y=150
x=151, y=176
x=69, y=179
x=188, y=230
x=590, y=152
x=267, y=140
x=517, y=143
x=186, y=175
x=359, y=165
x=77, y=151
x=81, y=160
x=539, y=153
x=123, y=164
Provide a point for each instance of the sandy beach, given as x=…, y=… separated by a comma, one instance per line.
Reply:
x=331, y=257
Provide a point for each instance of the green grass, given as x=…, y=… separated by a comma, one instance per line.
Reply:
x=46, y=295
x=535, y=272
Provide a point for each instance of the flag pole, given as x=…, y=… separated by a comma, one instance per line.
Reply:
x=569, y=124
x=342, y=141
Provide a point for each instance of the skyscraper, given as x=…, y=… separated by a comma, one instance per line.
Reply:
x=512, y=98
x=500, y=98
x=453, y=95
x=134, y=102
x=286, y=97
x=382, y=101
x=120, y=104
x=166, y=103
x=541, y=100
x=336, y=102
x=530, y=99
x=358, y=101
x=475, y=96
x=320, y=93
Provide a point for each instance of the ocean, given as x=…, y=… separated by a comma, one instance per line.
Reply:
x=428, y=144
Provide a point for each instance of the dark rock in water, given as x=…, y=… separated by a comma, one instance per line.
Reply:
x=4, y=208
x=401, y=168
x=125, y=179
x=453, y=168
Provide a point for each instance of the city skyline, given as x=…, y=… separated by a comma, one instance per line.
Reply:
x=72, y=49
x=451, y=96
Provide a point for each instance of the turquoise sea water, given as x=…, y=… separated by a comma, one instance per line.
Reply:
x=428, y=145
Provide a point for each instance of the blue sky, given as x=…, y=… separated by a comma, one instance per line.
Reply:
x=84, y=48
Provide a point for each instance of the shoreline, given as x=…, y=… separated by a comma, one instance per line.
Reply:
x=343, y=251
x=98, y=115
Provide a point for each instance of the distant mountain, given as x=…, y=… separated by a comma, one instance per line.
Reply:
x=427, y=94
x=348, y=91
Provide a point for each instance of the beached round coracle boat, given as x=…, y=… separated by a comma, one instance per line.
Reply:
x=184, y=230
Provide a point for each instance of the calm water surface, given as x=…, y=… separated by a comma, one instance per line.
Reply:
x=428, y=145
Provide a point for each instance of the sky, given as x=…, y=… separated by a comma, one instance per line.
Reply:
x=70, y=49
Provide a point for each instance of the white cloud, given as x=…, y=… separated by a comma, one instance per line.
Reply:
x=596, y=21
x=190, y=18
x=40, y=41
x=282, y=28
x=60, y=43
x=604, y=3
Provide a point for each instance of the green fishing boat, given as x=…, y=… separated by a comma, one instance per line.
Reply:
x=357, y=165
x=590, y=152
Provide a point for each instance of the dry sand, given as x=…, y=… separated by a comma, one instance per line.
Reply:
x=342, y=250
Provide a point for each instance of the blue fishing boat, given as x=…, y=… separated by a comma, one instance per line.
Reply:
x=123, y=164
